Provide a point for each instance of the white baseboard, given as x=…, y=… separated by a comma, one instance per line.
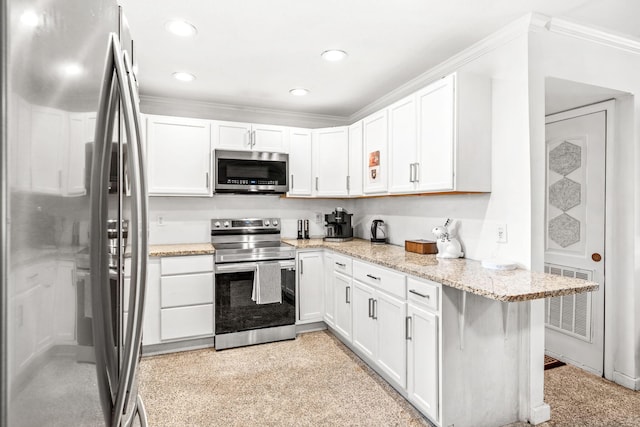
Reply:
x=626, y=381
x=540, y=414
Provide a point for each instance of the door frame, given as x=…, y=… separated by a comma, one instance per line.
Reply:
x=609, y=107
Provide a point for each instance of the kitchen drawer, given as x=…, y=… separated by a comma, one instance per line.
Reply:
x=386, y=280
x=343, y=264
x=423, y=293
x=186, y=264
x=189, y=289
x=185, y=322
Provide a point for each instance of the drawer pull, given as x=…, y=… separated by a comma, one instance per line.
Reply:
x=347, y=292
x=373, y=277
x=408, y=326
x=413, y=291
x=375, y=309
x=341, y=264
x=370, y=307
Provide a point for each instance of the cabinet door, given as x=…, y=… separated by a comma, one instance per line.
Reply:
x=329, y=303
x=422, y=361
x=402, y=145
x=331, y=156
x=25, y=324
x=300, y=162
x=310, y=287
x=48, y=134
x=355, y=159
x=65, y=303
x=343, y=294
x=179, y=155
x=391, y=356
x=374, y=133
x=75, y=165
x=270, y=138
x=364, y=325
x=436, y=132
x=231, y=135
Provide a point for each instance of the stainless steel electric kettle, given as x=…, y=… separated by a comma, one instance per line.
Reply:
x=378, y=231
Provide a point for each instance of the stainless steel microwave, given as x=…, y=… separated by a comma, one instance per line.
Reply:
x=251, y=172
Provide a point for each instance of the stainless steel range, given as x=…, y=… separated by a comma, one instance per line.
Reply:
x=254, y=282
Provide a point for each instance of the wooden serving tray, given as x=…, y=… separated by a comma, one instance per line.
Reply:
x=421, y=246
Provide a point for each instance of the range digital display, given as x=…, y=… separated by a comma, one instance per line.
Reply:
x=247, y=223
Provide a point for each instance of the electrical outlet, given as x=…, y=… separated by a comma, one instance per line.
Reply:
x=318, y=217
x=501, y=233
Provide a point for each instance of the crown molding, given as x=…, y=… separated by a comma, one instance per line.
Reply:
x=517, y=28
x=217, y=111
x=595, y=35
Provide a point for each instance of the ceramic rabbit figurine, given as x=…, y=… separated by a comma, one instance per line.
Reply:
x=448, y=245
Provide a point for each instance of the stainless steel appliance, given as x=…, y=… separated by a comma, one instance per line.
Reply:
x=251, y=172
x=250, y=255
x=378, y=231
x=68, y=81
x=338, y=226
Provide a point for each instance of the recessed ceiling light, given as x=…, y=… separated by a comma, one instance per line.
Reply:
x=299, y=91
x=72, y=69
x=183, y=77
x=30, y=19
x=334, y=55
x=181, y=28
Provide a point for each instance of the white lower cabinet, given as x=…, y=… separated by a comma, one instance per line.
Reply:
x=329, y=291
x=185, y=322
x=343, y=290
x=310, y=287
x=364, y=324
x=422, y=346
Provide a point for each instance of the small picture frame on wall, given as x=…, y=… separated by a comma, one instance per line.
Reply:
x=374, y=166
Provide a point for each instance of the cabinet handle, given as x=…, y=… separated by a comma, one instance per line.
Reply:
x=316, y=183
x=375, y=309
x=370, y=307
x=206, y=179
x=301, y=267
x=408, y=328
x=416, y=172
x=411, y=172
x=373, y=277
x=249, y=137
x=348, y=185
x=340, y=264
x=413, y=291
x=292, y=181
x=348, y=294
x=253, y=140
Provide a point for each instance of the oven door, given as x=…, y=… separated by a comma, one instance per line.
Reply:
x=251, y=172
x=236, y=311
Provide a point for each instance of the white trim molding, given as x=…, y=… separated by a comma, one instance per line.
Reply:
x=595, y=35
x=626, y=381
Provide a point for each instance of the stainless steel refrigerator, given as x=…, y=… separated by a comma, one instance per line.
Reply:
x=73, y=216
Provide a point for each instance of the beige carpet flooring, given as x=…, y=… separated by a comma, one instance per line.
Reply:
x=312, y=381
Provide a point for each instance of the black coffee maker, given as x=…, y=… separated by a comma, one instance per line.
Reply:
x=338, y=226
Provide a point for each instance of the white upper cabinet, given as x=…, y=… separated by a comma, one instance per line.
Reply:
x=374, y=131
x=331, y=161
x=355, y=159
x=300, y=162
x=454, y=134
x=248, y=137
x=49, y=132
x=403, y=140
x=179, y=156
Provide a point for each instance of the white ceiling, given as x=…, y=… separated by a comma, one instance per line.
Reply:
x=249, y=53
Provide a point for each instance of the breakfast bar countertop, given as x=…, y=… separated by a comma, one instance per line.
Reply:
x=464, y=274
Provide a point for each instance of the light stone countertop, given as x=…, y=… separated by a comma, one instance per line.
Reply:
x=464, y=274
x=181, y=249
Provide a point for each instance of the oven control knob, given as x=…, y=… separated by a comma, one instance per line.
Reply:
x=275, y=222
x=217, y=224
x=226, y=223
x=266, y=223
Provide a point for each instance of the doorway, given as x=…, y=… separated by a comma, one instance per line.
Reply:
x=576, y=146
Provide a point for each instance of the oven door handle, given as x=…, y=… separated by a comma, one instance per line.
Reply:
x=251, y=266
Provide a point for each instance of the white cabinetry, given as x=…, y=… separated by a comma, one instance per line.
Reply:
x=422, y=346
x=179, y=156
x=248, y=136
x=65, y=303
x=379, y=314
x=374, y=131
x=300, y=162
x=310, y=287
x=454, y=134
x=355, y=159
x=402, y=145
x=49, y=132
x=329, y=291
x=342, y=284
x=331, y=161
x=186, y=297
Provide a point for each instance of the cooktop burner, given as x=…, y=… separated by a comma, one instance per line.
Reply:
x=248, y=239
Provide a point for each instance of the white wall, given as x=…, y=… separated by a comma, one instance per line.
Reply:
x=556, y=55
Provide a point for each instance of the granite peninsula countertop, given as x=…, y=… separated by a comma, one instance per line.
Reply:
x=464, y=274
x=181, y=249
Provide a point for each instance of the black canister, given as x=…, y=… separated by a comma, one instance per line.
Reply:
x=299, y=229
x=306, y=228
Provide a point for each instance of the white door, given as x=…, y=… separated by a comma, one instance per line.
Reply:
x=231, y=135
x=402, y=145
x=355, y=159
x=391, y=314
x=310, y=287
x=331, y=157
x=270, y=138
x=343, y=294
x=364, y=326
x=575, y=227
x=374, y=134
x=300, y=162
